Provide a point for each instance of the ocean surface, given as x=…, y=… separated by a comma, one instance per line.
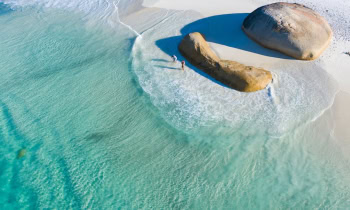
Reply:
x=94, y=115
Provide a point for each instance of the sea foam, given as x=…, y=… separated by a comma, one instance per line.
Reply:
x=193, y=101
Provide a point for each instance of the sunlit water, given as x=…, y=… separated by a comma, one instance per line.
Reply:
x=108, y=122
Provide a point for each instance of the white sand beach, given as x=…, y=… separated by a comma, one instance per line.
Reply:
x=95, y=114
x=334, y=60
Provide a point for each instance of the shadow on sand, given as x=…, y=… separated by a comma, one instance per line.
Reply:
x=167, y=67
x=169, y=46
x=160, y=60
x=221, y=29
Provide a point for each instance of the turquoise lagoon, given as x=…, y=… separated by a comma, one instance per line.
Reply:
x=108, y=122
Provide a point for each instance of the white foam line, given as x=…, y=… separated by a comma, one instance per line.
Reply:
x=152, y=27
x=104, y=17
x=330, y=105
x=167, y=12
x=321, y=113
x=271, y=88
x=327, y=108
x=121, y=22
x=163, y=19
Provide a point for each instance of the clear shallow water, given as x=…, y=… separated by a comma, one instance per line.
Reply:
x=105, y=127
x=192, y=100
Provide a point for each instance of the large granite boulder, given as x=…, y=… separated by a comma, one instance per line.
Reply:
x=292, y=29
x=233, y=74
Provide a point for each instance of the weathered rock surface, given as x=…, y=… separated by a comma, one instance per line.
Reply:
x=292, y=29
x=233, y=74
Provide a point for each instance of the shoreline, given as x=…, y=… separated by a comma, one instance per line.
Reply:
x=333, y=61
x=108, y=120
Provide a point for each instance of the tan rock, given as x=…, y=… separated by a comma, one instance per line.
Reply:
x=233, y=74
x=292, y=29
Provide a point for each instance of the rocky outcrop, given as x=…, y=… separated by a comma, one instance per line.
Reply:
x=292, y=29
x=233, y=74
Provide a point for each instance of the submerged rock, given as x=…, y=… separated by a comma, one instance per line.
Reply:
x=292, y=29
x=21, y=153
x=233, y=74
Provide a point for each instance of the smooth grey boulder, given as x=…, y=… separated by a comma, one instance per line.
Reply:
x=292, y=29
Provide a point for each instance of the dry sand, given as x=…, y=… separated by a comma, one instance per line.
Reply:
x=334, y=60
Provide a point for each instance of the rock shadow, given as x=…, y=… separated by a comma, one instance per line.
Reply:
x=226, y=30
x=221, y=29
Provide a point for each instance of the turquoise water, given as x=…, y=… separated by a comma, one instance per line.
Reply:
x=105, y=126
